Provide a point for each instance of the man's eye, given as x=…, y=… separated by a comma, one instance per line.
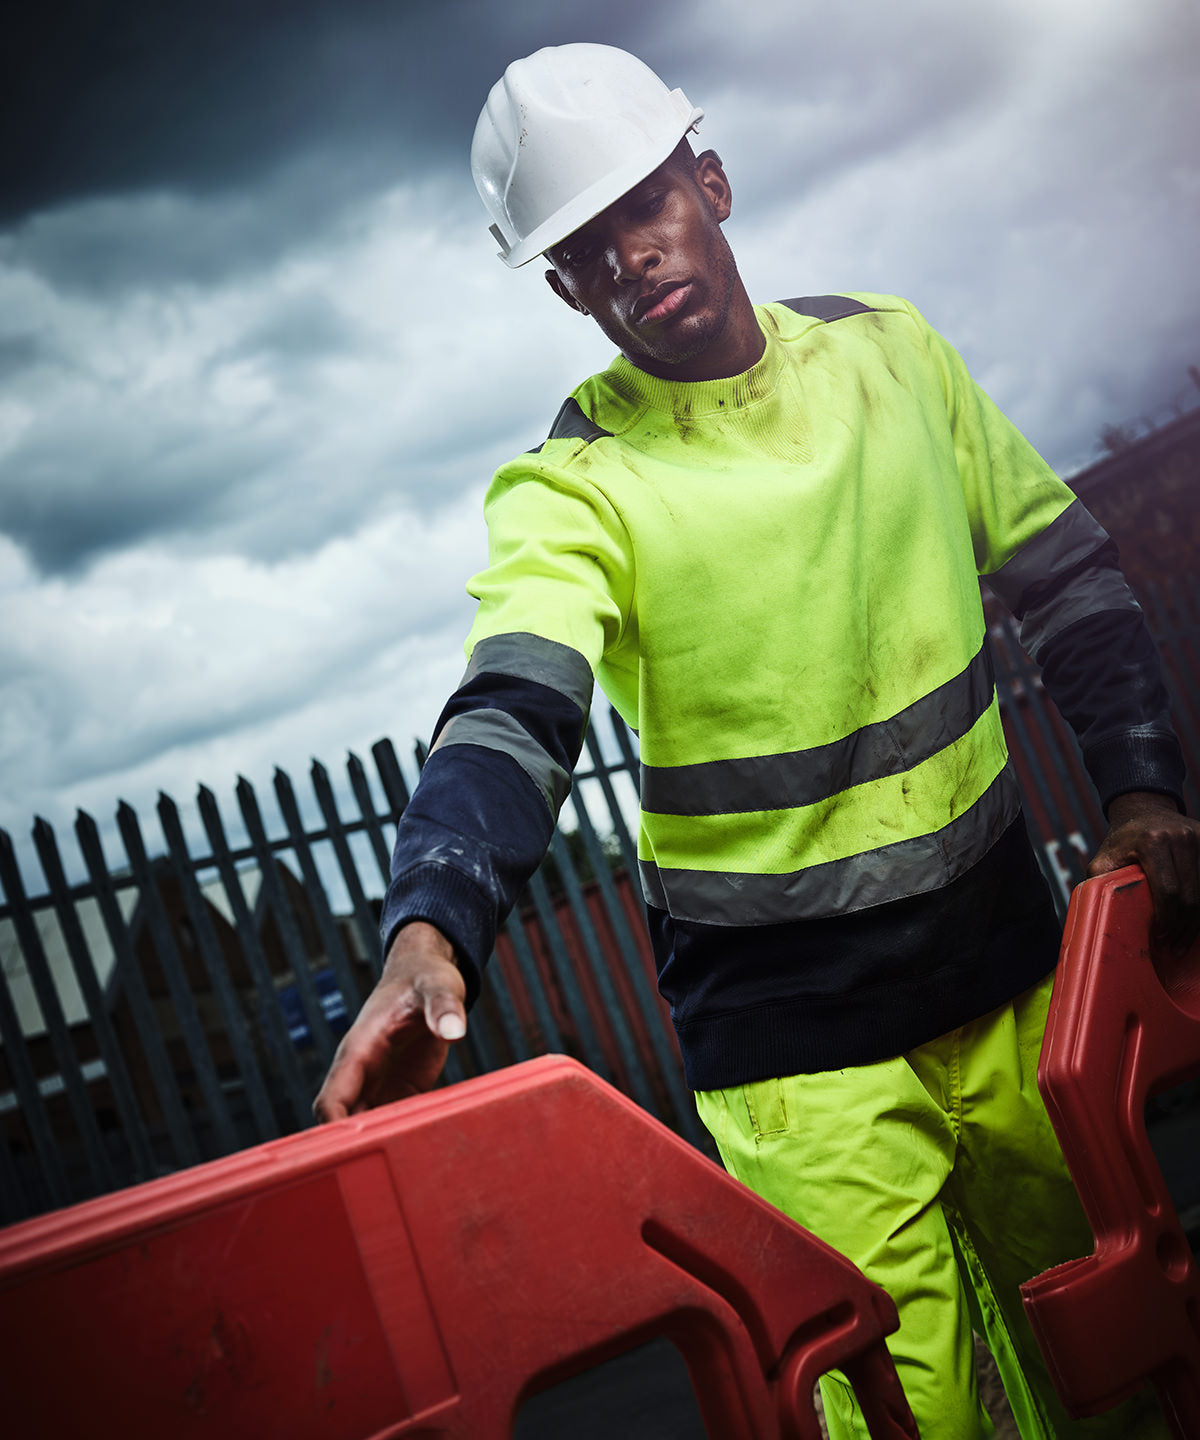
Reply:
x=651, y=205
x=578, y=255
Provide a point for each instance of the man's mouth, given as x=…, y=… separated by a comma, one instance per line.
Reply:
x=662, y=301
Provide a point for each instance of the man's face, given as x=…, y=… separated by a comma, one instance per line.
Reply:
x=654, y=269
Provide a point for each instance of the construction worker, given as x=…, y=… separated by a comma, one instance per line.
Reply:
x=761, y=530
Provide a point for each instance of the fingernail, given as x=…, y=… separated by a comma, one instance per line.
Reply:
x=451, y=1026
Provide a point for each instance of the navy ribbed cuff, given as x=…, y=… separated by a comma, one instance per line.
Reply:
x=1136, y=760
x=455, y=905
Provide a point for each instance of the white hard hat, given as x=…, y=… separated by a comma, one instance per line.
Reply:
x=564, y=133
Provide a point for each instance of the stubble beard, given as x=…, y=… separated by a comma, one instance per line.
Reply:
x=678, y=344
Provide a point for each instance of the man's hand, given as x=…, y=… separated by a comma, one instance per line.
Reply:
x=400, y=1038
x=1147, y=830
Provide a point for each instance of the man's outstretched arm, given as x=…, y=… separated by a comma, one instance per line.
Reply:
x=474, y=831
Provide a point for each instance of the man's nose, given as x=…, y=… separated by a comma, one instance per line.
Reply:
x=631, y=253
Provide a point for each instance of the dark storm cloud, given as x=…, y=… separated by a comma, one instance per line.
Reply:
x=108, y=97
x=196, y=141
x=300, y=329
x=22, y=352
x=123, y=96
x=92, y=487
x=103, y=245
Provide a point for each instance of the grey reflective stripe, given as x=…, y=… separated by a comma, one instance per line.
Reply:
x=497, y=730
x=804, y=777
x=531, y=657
x=571, y=423
x=1070, y=538
x=1088, y=594
x=827, y=307
x=836, y=887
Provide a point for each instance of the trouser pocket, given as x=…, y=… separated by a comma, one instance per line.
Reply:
x=766, y=1108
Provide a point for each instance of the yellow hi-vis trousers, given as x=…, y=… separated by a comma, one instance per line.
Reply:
x=939, y=1175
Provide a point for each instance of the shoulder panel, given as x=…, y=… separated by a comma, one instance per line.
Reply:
x=571, y=423
x=827, y=307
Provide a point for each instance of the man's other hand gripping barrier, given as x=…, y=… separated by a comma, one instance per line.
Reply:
x=421, y=1270
x=1122, y=1027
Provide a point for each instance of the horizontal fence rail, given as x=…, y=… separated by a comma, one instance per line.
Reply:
x=184, y=1000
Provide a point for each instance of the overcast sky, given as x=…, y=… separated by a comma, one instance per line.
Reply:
x=258, y=359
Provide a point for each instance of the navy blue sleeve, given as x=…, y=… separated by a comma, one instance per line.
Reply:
x=1083, y=627
x=482, y=816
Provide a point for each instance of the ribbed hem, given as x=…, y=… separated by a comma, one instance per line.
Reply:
x=700, y=397
x=804, y=1036
x=815, y=995
x=1147, y=760
x=447, y=899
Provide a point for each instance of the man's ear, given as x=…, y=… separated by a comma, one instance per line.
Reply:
x=556, y=284
x=712, y=180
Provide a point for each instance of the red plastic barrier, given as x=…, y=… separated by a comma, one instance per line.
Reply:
x=420, y=1270
x=1119, y=1031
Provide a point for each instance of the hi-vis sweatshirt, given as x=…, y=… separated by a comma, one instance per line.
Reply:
x=775, y=580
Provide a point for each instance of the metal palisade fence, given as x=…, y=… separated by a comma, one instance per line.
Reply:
x=184, y=1002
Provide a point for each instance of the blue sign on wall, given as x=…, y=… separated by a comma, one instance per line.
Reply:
x=332, y=1003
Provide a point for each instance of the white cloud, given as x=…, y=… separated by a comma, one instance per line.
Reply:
x=152, y=653
x=268, y=411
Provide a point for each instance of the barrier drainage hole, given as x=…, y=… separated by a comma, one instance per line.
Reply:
x=645, y=1394
x=1173, y=1129
x=1172, y=1256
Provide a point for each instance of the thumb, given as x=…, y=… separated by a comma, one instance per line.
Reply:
x=444, y=1015
x=451, y=1022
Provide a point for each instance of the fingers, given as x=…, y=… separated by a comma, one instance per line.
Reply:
x=341, y=1090
x=399, y=1041
x=1175, y=886
x=1167, y=847
x=1104, y=864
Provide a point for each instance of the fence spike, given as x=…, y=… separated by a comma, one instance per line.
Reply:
x=93, y=991
x=46, y=989
x=147, y=872
x=205, y=940
x=390, y=775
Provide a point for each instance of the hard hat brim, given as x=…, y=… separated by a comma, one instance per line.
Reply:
x=587, y=205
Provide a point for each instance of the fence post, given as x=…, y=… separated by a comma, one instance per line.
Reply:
x=218, y=975
x=362, y=797
x=27, y=1090
x=278, y=1036
x=331, y=941
x=134, y=986
x=681, y=1101
x=132, y=1121
x=293, y=944
x=57, y=1032
x=173, y=972
x=368, y=930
